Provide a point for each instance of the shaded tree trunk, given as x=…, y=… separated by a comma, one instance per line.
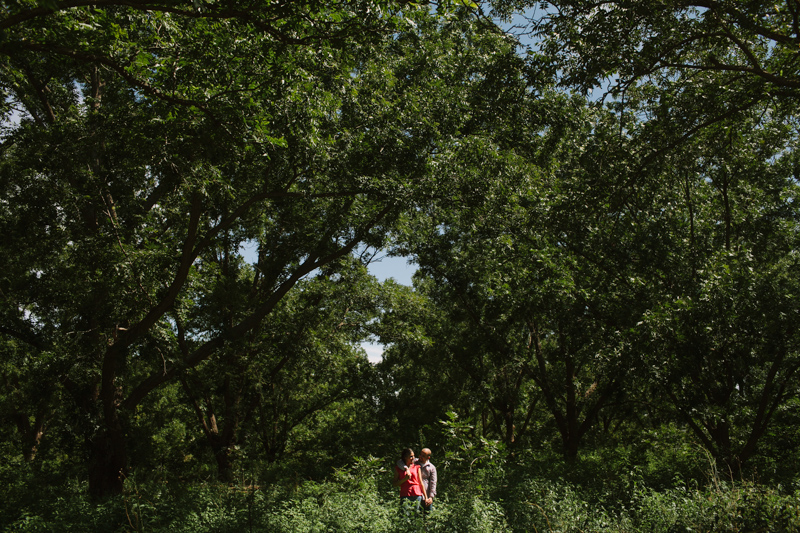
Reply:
x=30, y=433
x=222, y=454
x=579, y=411
x=107, y=462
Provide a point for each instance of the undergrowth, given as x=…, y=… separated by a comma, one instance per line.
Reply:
x=497, y=496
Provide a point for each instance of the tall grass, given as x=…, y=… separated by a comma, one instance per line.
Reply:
x=498, y=496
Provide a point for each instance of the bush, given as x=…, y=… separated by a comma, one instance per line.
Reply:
x=497, y=496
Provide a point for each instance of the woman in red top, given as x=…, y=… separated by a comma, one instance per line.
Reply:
x=409, y=479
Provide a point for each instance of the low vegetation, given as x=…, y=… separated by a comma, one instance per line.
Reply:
x=482, y=489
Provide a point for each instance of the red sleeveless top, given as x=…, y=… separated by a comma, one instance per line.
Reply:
x=411, y=486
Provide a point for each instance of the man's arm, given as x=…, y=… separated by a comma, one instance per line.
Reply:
x=432, y=483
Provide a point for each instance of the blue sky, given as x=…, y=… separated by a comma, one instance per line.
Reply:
x=393, y=267
x=383, y=269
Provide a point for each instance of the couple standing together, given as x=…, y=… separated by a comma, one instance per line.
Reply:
x=416, y=479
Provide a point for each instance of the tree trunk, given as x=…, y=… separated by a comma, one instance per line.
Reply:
x=107, y=463
x=31, y=433
x=224, y=463
x=571, y=445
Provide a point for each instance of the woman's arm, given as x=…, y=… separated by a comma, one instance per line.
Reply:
x=398, y=480
x=421, y=484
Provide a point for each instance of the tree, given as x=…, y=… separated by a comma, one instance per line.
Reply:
x=531, y=321
x=705, y=97
x=27, y=402
x=720, y=341
x=680, y=66
x=300, y=360
x=750, y=45
x=139, y=137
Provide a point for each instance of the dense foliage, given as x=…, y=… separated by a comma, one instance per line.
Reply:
x=603, y=332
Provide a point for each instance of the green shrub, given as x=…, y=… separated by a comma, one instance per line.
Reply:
x=493, y=494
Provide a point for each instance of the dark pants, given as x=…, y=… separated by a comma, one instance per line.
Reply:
x=411, y=504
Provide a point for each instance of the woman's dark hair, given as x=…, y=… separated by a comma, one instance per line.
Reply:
x=405, y=454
